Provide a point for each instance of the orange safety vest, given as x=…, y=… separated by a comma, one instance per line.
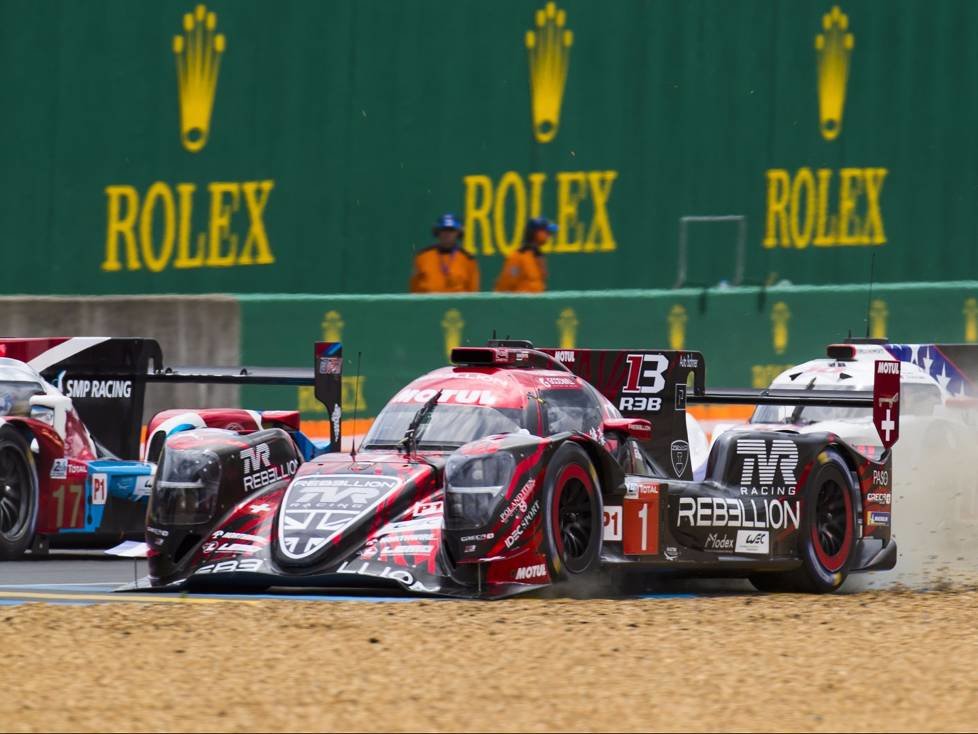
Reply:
x=525, y=271
x=444, y=272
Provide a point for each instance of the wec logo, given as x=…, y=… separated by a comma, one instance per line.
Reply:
x=256, y=458
x=782, y=454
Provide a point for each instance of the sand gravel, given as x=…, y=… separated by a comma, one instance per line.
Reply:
x=870, y=661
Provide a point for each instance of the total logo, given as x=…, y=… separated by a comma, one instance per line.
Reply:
x=526, y=573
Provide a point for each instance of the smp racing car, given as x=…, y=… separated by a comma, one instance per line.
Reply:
x=71, y=472
x=516, y=468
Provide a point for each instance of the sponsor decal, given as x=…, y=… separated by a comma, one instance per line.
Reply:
x=879, y=498
x=767, y=461
x=100, y=488
x=518, y=531
x=142, y=486
x=878, y=518
x=680, y=402
x=752, y=541
x=720, y=512
x=537, y=571
x=241, y=564
x=679, y=451
x=690, y=361
x=330, y=365
x=458, y=397
x=408, y=550
x=671, y=553
x=612, y=522
x=565, y=356
x=645, y=378
x=552, y=382
x=259, y=507
x=59, y=469
x=717, y=542
x=478, y=537
x=427, y=508
x=317, y=509
x=98, y=388
x=258, y=470
x=366, y=568
x=881, y=477
x=157, y=531
x=518, y=502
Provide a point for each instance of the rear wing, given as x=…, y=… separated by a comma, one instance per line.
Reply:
x=106, y=379
x=657, y=385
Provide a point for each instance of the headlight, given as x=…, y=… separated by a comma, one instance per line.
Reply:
x=186, y=488
x=473, y=484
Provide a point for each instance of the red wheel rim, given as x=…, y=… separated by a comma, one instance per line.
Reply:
x=832, y=525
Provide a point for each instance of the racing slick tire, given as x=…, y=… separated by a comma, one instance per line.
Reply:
x=827, y=536
x=18, y=495
x=572, y=514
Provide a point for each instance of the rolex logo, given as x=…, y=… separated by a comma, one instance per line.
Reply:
x=567, y=328
x=549, y=53
x=833, y=47
x=198, y=53
x=780, y=315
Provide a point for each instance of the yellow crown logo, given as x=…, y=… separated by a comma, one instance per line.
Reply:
x=877, y=318
x=452, y=324
x=970, y=313
x=549, y=52
x=677, y=319
x=832, y=51
x=567, y=324
x=780, y=316
x=198, y=53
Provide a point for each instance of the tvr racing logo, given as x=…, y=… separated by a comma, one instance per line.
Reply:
x=257, y=467
x=765, y=463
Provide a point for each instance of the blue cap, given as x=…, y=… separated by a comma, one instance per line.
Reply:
x=448, y=221
x=538, y=223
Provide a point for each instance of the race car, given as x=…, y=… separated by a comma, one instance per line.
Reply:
x=935, y=411
x=516, y=468
x=71, y=473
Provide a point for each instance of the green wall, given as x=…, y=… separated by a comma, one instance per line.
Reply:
x=746, y=334
x=337, y=130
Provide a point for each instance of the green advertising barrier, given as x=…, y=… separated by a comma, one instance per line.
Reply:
x=748, y=335
x=257, y=146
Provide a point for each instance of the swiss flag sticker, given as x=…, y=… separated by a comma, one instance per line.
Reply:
x=886, y=401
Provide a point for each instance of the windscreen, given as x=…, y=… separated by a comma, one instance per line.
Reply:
x=803, y=415
x=449, y=427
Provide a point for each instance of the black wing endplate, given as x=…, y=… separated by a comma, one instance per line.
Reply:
x=106, y=379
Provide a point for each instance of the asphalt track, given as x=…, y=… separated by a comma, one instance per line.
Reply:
x=91, y=577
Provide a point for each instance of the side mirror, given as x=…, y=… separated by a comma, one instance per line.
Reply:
x=637, y=428
x=51, y=409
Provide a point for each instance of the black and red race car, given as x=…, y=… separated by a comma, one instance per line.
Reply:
x=516, y=468
x=72, y=472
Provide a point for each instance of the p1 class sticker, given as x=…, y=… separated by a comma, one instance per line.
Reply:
x=100, y=488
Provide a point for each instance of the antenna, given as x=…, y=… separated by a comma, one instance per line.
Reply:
x=869, y=301
x=356, y=401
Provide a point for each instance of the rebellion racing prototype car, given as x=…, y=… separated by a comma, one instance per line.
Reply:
x=516, y=468
x=71, y=472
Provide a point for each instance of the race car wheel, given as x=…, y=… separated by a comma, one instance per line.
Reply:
x=18, y=495
x=827, y=536
x=572, y=505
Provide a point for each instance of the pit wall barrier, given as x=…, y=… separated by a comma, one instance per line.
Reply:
x=748, y=335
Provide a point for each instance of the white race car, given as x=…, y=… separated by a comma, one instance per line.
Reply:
x=936, y=502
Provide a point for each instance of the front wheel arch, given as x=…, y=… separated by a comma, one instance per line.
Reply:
x=571, y=507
